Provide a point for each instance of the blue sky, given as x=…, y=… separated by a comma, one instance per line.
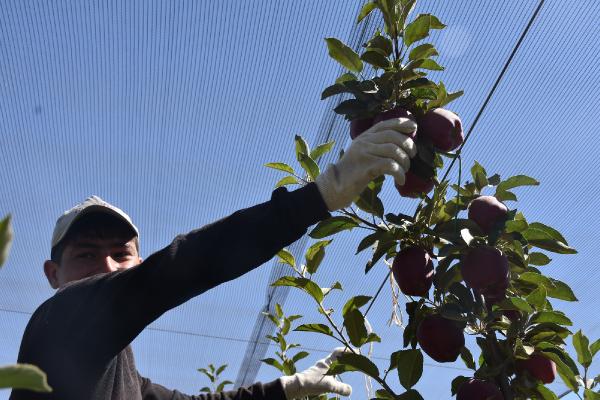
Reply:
x=170, y=109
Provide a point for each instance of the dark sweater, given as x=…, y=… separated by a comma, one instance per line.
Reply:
x=80, y=337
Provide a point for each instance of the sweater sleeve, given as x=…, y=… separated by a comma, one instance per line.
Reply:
x=110, y=310
x=258, y=391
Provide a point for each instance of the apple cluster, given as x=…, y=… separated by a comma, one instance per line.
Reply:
x=439, y=127
x=485, y=270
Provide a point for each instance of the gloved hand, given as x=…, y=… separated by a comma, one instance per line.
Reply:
x=384, y=148
x=313, y=381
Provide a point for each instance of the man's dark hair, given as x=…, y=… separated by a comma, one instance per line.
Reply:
x=95, y=225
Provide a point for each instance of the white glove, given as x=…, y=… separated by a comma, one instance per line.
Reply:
x=313, y=381
x=384, y=148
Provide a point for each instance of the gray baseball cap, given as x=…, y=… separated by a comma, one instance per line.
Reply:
x=89, y=205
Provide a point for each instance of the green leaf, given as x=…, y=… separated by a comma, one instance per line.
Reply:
x=278, y=310
x=419, y=83
x=420, y=27
x=515, y=226
x=336, y=285
x=589, y=394
x=538, y=259
x=288, y=180
x=467, y=358
x=353, y=362
x=549, y=230
x=422, y=51
x=381, y=44
x=561, y=291
x=273, y=362
x=556, y=317
x=538, y=297
x=366, y=10
x=299, y=356
x=515, y=303
x=595, y=347
x=315, y=255
x=368, y=241
x=546, y=393
x=221, y=369
x=411, y=394
x=354, y=322
x=503, y=195
x=346, y=77
x=302, y=283
x=23, y=376
x=427, y=63
x=344, y=55
x=543, y=240
x=280, y=166
x=317, y=328
x=479, y=176
x=222, y=385
x=376, y=59
x=581, y=344
x=310, y=166
x=301, y=147
x=368, y=200
x=6, y=236
x=286, y=257
x=321, y=149
x=516, y=181
x=410, y=366
x=355, y=302
x=332, y=226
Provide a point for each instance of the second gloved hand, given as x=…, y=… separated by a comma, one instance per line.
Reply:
x=384, y=148
x=313, y=381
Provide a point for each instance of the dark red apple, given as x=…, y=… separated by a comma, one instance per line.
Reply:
x=484, y=268
x=397, y=112
x=539, y=367
x=442, y=127
x=413, y=271
x=477, y=389
x=415, y=186
x=496, y=293
x=358, y=126
x=440, y=338
x=486, y=211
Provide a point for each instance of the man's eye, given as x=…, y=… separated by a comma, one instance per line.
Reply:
x=122, y=255
x=85, y=255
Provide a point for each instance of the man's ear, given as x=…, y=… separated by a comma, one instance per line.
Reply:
x=51, y=271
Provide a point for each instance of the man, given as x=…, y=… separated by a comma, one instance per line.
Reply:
x=107, y=295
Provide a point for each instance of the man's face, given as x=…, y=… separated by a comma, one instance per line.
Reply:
x=85, y=257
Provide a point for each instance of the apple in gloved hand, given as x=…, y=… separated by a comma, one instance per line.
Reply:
x=415, y=186
x=358, y=126
x=484, y=268
x=397, y=112
x=440, y=338
x=487, y=211
x=477, y=389
x=413, y=271
x=442, y=127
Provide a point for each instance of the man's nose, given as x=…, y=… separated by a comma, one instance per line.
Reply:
x=108, y=264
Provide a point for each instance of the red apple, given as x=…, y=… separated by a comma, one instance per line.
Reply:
x=539, y=367
x=484, y=268
x=442, y=127
x=496, y=293
x=440, y=338
x=477, y=389
x=414, y=186
x=397, y=112
x=358, y=126
x=486, y=211
x=413, y=271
